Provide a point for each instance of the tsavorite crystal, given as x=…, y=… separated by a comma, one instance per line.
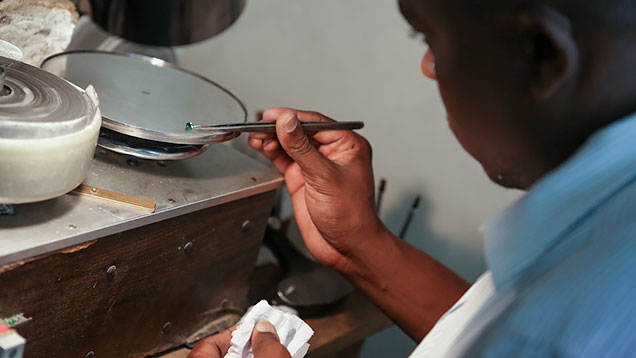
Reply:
x=189, y=126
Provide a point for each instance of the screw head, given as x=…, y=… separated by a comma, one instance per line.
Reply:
x=90, y=354
x=111, y=272
x=246, y=225
x=166, y=327
x=188, y=248
x=132, y=162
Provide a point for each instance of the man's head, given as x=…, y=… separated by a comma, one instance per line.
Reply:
x=526, y=82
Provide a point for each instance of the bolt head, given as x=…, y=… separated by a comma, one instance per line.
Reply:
x=225, y=303
x=166, y=327
x=188, y=248
x=111, y=272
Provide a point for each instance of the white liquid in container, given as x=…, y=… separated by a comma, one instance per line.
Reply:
x=38, y=169
x=48, y=133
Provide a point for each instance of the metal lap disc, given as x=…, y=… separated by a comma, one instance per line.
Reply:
x=146, y=149
x=148, y=98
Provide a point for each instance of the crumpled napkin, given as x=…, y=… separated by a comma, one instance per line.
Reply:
x=292, y=331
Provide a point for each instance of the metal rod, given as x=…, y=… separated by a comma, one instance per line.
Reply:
x=409, y=217
x=378, y=202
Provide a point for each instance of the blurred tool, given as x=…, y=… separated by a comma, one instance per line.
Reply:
x=11, y=343
x=307, y=286
x=378, y=202
x=294, y=280
x=409, y=217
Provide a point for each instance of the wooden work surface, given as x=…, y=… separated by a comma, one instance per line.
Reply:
x=339, y=332
x=142, y=291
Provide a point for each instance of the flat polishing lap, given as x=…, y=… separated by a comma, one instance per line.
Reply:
x=149, y=98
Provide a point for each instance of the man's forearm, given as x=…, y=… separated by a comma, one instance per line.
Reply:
x=411, y=287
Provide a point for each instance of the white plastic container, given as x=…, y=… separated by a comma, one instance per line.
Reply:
x=48, y=133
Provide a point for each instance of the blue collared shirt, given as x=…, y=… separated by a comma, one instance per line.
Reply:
x=563, y=260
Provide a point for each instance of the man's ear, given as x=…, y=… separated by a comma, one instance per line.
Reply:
x=551, y=49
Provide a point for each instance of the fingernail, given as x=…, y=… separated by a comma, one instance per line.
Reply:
x=290, y=124
x=265, y=327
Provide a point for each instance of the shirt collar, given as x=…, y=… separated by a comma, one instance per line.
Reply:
x=518, y=236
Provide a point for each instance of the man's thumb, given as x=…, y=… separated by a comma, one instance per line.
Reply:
x=265, y=342
x=298, y=146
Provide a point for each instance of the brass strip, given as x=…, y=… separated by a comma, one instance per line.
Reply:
x=118, y=198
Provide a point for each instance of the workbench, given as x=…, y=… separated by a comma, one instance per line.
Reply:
x=339, y=332
x=95, y=278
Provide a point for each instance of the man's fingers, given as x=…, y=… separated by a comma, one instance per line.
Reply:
x=322, y=137
x=265, y=342
x=215, y=346
x=273, y=114
x=299, y=147
x=271, y=150
x=261, y=135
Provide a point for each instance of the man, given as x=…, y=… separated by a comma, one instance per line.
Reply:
x=540, y=93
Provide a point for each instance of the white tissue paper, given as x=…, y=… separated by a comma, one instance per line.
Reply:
x=292, y=331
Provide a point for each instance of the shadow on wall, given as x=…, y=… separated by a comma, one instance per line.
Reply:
x=466, y=260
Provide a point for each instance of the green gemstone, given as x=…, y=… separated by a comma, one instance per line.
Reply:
x=189, y=126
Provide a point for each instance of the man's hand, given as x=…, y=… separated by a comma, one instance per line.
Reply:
x=265, y=343
x=329, y=177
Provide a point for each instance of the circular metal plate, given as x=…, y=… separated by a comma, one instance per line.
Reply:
x=149, y=98
x=147, y=149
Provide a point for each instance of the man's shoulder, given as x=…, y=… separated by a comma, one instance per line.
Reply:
x=582, y=303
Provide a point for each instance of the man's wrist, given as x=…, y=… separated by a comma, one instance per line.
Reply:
x=366, y=264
